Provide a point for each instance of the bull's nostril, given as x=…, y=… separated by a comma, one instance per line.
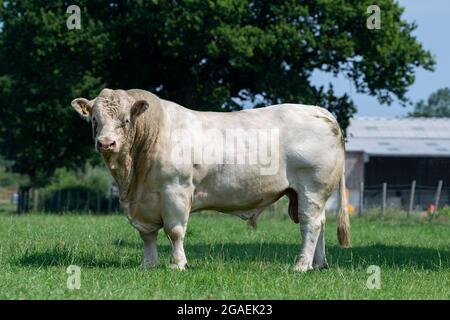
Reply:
x=105, y=144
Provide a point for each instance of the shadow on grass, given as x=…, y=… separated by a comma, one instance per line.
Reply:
x=396, y=257
x=64, y=256
x=360, y=256
x=377, y=254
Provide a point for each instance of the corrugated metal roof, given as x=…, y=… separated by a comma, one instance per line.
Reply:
x=399, y=136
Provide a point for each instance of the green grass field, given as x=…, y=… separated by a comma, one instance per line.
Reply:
x=228, y=260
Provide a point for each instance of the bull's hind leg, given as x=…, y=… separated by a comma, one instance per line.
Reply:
x=310, y=213
x=319, y=260
x=150, y=249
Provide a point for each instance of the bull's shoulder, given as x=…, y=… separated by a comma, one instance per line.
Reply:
x=139, y=94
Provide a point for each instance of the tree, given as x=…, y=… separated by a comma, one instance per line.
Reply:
x=204, y=54
x=437, y=105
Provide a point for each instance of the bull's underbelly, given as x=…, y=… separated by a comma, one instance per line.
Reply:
x=235, y=206
x=237, y=199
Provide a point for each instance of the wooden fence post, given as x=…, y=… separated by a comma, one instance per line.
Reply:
x=23, y=204
x=383, y=200
x=77, y=203
x=68, y=200
x=361, y=199
x=438, y=196
x=411, y=197
x=109, y=201
x=54, y=202
x=19, y=201
x=58, y=202
x=27, y=201
x=35, y=199
x=88, y=200
x=98, y=202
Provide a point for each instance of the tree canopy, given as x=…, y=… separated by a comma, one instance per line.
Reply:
x=204, y=54
x=437, y=105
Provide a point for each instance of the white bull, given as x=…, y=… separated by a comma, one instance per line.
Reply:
x=170, y=161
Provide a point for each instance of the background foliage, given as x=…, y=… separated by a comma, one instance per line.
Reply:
x=10, y=179
x=96, y=179
x=207, y=55
x=87, y=188
x=437, y=105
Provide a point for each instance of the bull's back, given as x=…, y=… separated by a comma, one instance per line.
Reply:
x=304, y=132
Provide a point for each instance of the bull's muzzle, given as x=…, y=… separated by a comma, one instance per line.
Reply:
x=106, y=145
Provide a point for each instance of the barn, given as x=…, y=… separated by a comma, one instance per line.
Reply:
x=398, y=152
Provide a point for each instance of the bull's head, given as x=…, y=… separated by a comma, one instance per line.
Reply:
x=113, y=115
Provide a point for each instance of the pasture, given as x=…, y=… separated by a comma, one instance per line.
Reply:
x=228, y=259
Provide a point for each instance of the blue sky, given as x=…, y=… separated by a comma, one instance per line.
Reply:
x=433, y=20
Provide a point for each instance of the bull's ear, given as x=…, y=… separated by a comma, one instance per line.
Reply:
x=137, y=109
x=83, y=107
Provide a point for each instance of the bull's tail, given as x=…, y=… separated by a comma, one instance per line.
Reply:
x=343, y=222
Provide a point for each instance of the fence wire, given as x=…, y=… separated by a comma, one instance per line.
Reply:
x=398, y=196
x=67, y=200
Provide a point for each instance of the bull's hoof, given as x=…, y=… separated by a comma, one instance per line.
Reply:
x=320, y=266
x=301, y=267
x=178, y=266
x=148, y=265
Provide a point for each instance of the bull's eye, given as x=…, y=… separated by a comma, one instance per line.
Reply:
x=124, y=123
x=120, y=125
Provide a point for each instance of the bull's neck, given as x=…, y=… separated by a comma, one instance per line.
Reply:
x=129, y=167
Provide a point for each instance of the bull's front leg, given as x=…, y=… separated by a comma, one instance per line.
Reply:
x=176, y=236
x=176, y=208
x=150, y=249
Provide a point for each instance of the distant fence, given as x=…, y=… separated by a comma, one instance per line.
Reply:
x=411, y=197
x=66, y=200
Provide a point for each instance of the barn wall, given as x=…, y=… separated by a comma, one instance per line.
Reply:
x=399, y=172
x=354, y=169
x=402, y=170
x=354, y=174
